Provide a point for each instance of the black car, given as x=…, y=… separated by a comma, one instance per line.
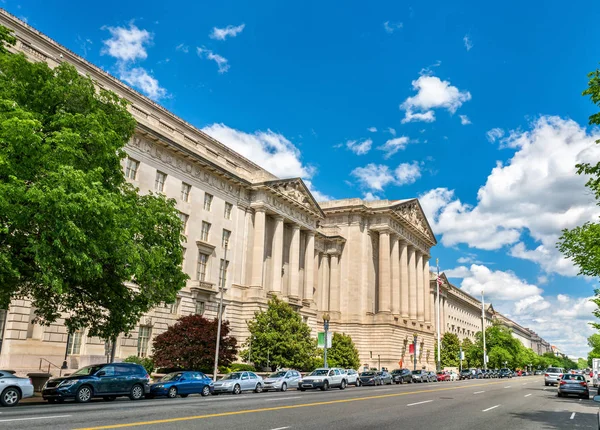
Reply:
x=108, y=381
x=370, y=378
x=401, y=376
x=465, y=374
x=505, y=373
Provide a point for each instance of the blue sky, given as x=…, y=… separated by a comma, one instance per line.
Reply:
x=474, y=108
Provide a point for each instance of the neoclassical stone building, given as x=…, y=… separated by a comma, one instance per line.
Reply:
x=366, y=264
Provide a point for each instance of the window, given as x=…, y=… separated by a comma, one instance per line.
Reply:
x=183, y=251
x=173, y=306
x=185, y=192
x=228, y=209
x=208, y=198
x=159, y=183
x=202, y=264
x=131, y=169
x=143, y=339
x=74, y=345
x=200, y=306
x=184, y=220
x=205, y=231
x=223, y=272
x=225, y=238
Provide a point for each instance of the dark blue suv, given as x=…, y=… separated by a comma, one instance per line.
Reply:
x=108, y=381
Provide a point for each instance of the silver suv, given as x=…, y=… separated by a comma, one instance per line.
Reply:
x=553, y=375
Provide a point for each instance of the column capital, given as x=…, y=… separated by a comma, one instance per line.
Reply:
x=278, y=217
x=295, y=226
x=259, y=208
x=310, y=233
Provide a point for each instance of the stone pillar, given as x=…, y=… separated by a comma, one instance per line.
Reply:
x=258, y=250
x=384, y=272
x=427, y=289
x=334, y=292
x=295, y=261
x=325, y=289
x=395, y=285
x=404, y=301
x=412, y=283
x=309, y=266
x=420, y=287
x=277, y=254
x=443, y=317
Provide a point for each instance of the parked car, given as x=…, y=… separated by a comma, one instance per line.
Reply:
x=401, y=376
x=370, y=377
x=573, y=384
x=420, y=376
x=465, y=374
x=324, y=379
x=282, y=380
x=385, y=377
x=538, y=372
x=553, y=375
x=14, y=388
x=108, y=381
x=505, y=373
x=443, y=376
x=352, y=377
x=181, y=384
x=237, y=382
x=453, y=376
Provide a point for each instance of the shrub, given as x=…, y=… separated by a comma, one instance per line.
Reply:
x=242, y=367
x=147, y=362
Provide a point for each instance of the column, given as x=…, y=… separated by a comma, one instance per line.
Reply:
x=277, y=254
x=309, y=266
x=395, y=294
x=247, y=219
x=325, y=289
x=258, y=249
x=443, y=317
x=295, y=261
x=334, y=294
x=403, y=250
x=412, y=283
x=427, y=289
x=384, y=272
x=420, y=287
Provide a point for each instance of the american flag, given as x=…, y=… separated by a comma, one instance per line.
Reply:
x=439, y=281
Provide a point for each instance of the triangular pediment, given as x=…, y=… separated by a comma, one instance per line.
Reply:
x=412, y=213
x=296, y=190
x=490, y=309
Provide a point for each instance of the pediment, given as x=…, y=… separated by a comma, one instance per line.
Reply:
x=412, y=213
x=297, y=191
x=490, y=309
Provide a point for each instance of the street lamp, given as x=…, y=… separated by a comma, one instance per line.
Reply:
x=415, y=351
x=224, y=271
x=65, y=366
x=326, y=327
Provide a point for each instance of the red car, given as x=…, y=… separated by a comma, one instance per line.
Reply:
x=443, y=376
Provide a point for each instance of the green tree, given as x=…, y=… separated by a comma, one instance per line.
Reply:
x=279, y=338
x=74, y=235
x=467, y=344
x=582, y=363
x=343, y=353
x=450, y=351
x=498, y=356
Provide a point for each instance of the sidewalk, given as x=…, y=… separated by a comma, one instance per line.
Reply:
x=35, y=400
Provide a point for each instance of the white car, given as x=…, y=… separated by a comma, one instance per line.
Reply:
x=352, y=377
x=553, y=375
x=453, y=375
x=324, y=379
x=14, y=388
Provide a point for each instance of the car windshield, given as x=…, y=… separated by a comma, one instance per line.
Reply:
x=235, y=375
x=277, y=375
x=319, y=372
x=89, y=370
x=171, y=377
x=504, y=370
x=573, y=378
x=367, y=374
x=396, y=371
x=416, y=372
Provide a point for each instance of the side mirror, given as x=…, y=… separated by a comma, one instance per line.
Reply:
x=597, y=399
x=101, y=373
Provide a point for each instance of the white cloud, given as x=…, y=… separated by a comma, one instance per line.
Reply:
x=464, y=120
x=229, y=31
x=407, y=173
x=391, y=131
x=222, y=62
x=494, y=134
x=537, y=193
x=390, y=27
x=370, y=196
x=393, y=145
x=497, y=285
x=372, y=129
x=562, y=298
x=468, y=43
x=139, y=77
x=376, y=177
x=532, y=303
x=127, y=44
x=319, y=196
x=359, y=147
x=183, y=48
x=432, y=93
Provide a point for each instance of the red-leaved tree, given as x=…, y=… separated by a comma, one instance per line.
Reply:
x=190, y=344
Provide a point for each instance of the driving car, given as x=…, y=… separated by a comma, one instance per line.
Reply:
x=108, y=381
x=505, y=373
x=573, y=384
x=401, y=376
x=352, y=377
x=13, y=388
x=553, y=375
x=237, y=382
x=324, y=378
x=281, y=380
x=370, y=377
x=181, y=384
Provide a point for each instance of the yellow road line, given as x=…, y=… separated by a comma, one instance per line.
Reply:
x=278, y=408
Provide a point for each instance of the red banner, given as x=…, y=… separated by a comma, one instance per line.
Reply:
x=411, y=349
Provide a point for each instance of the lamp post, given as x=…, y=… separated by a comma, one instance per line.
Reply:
x=224, y=271
x=326, y=327
x=415, y=351
x=65, y=366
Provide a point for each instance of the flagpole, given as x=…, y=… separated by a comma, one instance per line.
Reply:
x=437, y=323
x=483, y=331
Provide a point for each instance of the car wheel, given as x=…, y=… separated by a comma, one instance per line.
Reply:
x=237, y=389
x=205, y=391
x=84, y=394
x=10, y=396
x=358, y=383
x=343, y=385
x=172, y=393
x=137, y=392
x=258, y=388
x=284, y=387
x=325, y=386
x=109, y=398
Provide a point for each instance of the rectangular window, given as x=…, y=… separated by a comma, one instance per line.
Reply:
x=74, y=345
x=131, y=169
x=143, y=339
x=183, y=251
x=185, y=192
x=200, y=308
x=205, y=231
x=202, y=265
x=184, y=220
x=208, y=198
x=225, y=238
x=173, y=307
x=223, y=272
x=159, y=183
x=228, y=209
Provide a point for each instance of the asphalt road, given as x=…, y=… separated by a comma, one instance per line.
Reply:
x=518, y=403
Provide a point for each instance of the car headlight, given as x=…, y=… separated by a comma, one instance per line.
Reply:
x=159, y=386
x=68, y=383
x=318, y=380
x=300, y=381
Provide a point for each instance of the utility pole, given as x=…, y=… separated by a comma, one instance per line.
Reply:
x=223, y=273
x=483, y=331
x=437, y=317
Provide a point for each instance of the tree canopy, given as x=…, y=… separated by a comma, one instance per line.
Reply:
x=75, y=237
x=450, y=350
x=343, y=353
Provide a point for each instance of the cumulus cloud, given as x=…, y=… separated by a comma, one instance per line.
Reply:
x=407, y=173
x=390, y=27
x=535, y=195
x=222, y=62
x=376, y=177
x=372, y=129
x=140, y=78
x=468, y=43
x=393, y=145
x=224, y=33
x=370, y=196
x=432, y=93
x=464, y=120
x=359, y=147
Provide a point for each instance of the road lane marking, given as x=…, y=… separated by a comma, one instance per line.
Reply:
x=527, y=395
x=281, y=428
x=508, y=386
x=34, y=418
x=419, y=403
x=478, y=392
x=278, y=408
x=489, y=409
x=282, y=398
x=572, y=416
